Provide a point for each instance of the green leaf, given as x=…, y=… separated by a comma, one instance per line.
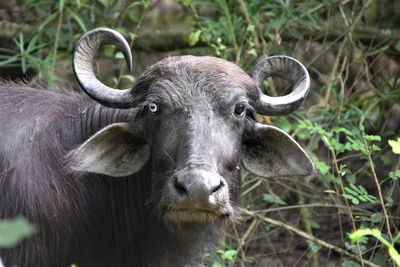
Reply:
x=343, y=130
x=385, y=160
x=349, y=263
x=350, y=191
x=194, y=37
x=217, y=264
x=129, y=77
x=359, y=189
x=277, y=23
x=389, y=201
x=13, y=231
x=77, y=19
x=322, y=167
x=394, y=255
x=395, y=145
x=351, y=178
x=379, y=259
x=362, y=198
x=313, y=249
x=103, y=2
x=252, y=52
x=355, y=201
x=376, y=218
x=357, y=194
x=273, y=199
x=396, y=239
x=395, y=175
x=119, y=55
x=186, y=2
x=361, y=235
x=9, y=60
x=329, y=191
x=315, y=225
x=373, y=138
x=229, y=254
x=329, y=178
x=250, y=28
x=109, y=50
x=47, y=21
x=397, y=46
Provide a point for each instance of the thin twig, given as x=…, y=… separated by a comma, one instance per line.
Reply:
x=313, y=205
x=353, y=224
x=308, y=237
x=378, y=187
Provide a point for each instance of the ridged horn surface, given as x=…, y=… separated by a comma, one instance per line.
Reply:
x=288, y=69
x=84, y=53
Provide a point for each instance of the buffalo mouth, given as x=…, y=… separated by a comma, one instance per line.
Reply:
x=194, y=215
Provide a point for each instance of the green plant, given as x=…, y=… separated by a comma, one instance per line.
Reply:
x=57, y=26
x=224, y=257
x=361, y=236
x=13, y=231
x=395, y=145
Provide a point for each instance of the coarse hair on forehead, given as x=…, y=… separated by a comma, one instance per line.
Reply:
x=172, y=68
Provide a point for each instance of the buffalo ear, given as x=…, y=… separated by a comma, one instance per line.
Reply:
x=267, y=151
x=117, y=150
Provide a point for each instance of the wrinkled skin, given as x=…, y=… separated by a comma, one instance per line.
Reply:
x=192, y=119
x=195, y=138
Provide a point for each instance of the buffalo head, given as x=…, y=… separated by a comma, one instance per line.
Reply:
x=194, y=128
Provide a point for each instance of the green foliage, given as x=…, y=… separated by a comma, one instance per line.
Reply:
x=397, y=46
x=361, y=236
x=343, y=129
x=312, y=249
x=223, y=257
x=58, y=25
x=194, y=37
x=14, y=231
x=395, y=175
x=273, y=199
x=226, y=258
x=349, y=263
x=357, y=193
x=395, y=145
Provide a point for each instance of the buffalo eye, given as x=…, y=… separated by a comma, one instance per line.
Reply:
x=240, y=110
x=153, y=107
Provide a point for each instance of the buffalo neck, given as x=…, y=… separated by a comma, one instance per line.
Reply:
x=127, y=225
x=96, y=116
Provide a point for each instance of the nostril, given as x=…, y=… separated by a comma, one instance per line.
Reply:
x=180, y=187
x=218, y=187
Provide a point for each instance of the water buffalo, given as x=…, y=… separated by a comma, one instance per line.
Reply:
x=146, y=176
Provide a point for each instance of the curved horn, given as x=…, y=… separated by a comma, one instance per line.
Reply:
x=292, y=71
x=84, y=53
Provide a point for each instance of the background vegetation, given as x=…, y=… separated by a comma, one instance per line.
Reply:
x=350, y=123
